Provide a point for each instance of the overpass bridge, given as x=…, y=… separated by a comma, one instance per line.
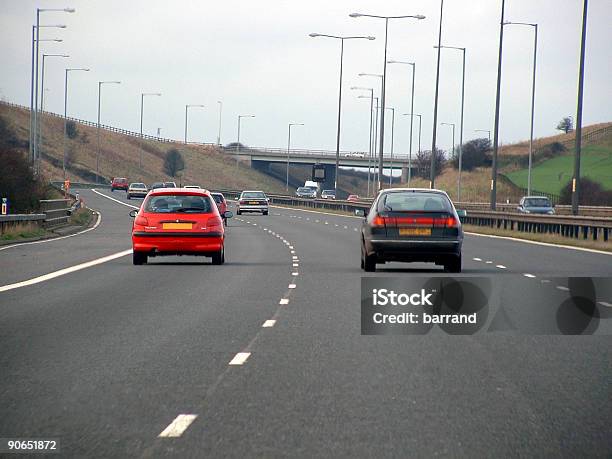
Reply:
x=261, y=159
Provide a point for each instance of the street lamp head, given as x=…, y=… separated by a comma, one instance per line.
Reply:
x=371, y=38
x=355, y=15
x=69, y=10
x=313, y=35
x=419, y=17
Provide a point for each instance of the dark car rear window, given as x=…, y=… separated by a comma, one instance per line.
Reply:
x=178, y=203
x=411, y=201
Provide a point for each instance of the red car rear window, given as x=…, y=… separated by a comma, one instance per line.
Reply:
x=178, y=203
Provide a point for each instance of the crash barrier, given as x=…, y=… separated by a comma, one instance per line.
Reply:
x=595, y=228
x=57, y=211
x=591, y=211
x=8, y=222
x=81, y=185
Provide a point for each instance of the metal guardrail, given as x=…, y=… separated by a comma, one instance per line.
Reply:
x=57, y=211
x=11, y=220
x=596, y=228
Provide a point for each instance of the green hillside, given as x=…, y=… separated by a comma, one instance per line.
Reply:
x=552, y=175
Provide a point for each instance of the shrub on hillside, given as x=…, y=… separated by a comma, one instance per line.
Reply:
x=173, y=163
x=423, y=163
x=71, y=129
x=591, y=194
x=8, y=138
x=475, y=154
x=17, y=182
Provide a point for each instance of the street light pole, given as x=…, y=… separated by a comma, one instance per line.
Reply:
x=419, y=144
x=42, y=97
x=533, y=84
x=142, y=96
x=371, y=121
x=493, y=200
x=432, y=167
x=461, y=121
x=289, y=149
x=220, y=111
x=341, y=38
x=413, y=64
x=576, y=179
x=100, y=83
x=186, y=107
x=392, y=142
x=453, y=153
x=384, y=80
x=484, y=130
x=66, y=115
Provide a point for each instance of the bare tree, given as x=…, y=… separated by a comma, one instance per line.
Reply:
x=566, y=124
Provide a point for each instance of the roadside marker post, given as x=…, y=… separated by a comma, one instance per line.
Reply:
x=4, y=206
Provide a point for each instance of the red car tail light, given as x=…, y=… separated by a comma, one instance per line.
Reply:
x=141, y=221
x=214, y=222
x=242, y=202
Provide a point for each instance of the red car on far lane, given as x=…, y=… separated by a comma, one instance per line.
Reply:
x=221, y=205
x=178, y=221
x=352, y=197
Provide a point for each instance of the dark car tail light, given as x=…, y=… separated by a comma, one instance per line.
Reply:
x=141, y=221
x=440, y=222
x=379, y=221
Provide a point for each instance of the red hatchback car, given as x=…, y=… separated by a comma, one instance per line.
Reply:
x=178, y=221
x=120, y=183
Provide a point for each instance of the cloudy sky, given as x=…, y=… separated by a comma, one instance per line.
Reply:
x=257, y=57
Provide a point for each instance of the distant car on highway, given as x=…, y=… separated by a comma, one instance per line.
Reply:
x=354, y=155
x=411, y=225
x=328, y=194
x=119, y=183
x=158, y=185
x=305, y=192
x=178, y=222
x=221, y=205
x=352, y=197
x=535, y=205
x=137, y=189
x=252, y=201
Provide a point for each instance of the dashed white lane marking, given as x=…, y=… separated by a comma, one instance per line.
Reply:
x=269, y=323
x=116, y=200
x=545, y=281
x=294, y=257
x=561, y=287
x=531, y=276
x=291, y=286
x=316, y=221
x=500, y=266
x=307, y=218
x=477, y=259
x=178, y=426
x=240, y=358
x=327, y=223
x=291, y=247
x=293, y=251
x=98, y=221
x=605, y=303
x=489, y=262
x=355, y=229
x=284, y=301
x=345, y=227
x=295, y=274
x=295, y=265
x=63, y=272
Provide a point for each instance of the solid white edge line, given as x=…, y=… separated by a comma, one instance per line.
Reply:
x=53, y=239
x=561, y=287
x=547, y=244
x=269, y=323
x=178, y=426
x=113, y=199
x=240, y=358
x=531, y=276
x=63, y=272
x=477, y=259
x=605, y=303
x=500, y=266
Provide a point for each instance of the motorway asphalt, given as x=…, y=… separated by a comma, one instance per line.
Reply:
x=106, y=357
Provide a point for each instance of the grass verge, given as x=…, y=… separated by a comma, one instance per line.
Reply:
x=20, y=231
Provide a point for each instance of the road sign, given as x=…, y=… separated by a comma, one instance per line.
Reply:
x=318, y=173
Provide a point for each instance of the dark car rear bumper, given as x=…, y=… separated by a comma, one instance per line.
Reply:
x=412, y=250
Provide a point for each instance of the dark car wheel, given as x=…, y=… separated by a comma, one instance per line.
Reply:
x=238, y=212
x=219, y=257
x=453, y=264
x=139, y=258
x=368, y=262
x=265, y=212
x=128, y=196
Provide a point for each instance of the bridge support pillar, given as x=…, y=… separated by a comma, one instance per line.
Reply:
x=330, y=177
x=404, y=174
